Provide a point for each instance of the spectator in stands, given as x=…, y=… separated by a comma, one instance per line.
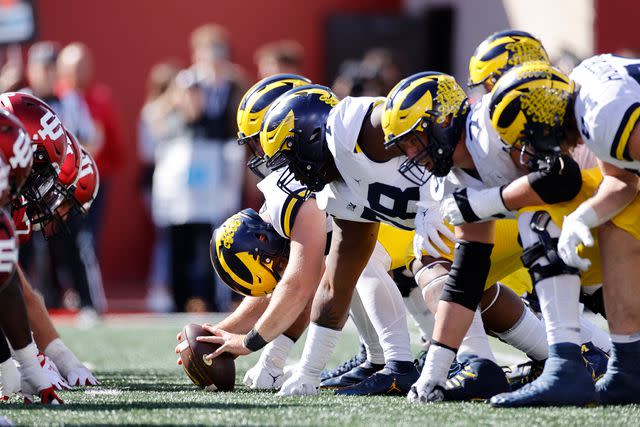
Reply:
x=282, y=56
x=197, y=180
x=159, y=123
x=75, y=265
x=75, y=68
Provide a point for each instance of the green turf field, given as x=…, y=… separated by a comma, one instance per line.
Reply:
x=142, y=385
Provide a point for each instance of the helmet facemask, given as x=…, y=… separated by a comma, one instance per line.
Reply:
x=256, y=162
x=442, y=141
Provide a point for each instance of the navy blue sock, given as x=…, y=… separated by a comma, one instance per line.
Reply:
x=625, y=354
x=400, y=367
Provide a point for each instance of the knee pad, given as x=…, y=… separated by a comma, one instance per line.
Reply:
x=560, y=183
x=542, y=258
x=468, y=275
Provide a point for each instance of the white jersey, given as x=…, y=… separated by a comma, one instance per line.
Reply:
x=369, y=191
x=608, y=106
x=493, y=163
x=280, y=207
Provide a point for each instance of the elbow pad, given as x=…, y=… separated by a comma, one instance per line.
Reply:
x=560, y=183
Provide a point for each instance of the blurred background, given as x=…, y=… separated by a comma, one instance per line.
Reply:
x=161, y=81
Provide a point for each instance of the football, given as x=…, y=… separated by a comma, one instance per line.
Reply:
x=218, y=374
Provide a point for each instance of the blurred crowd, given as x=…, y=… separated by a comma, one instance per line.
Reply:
x=63, y=77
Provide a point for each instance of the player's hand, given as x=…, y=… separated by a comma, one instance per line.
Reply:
x=57, y=381
x=9, y=379
x=264, y=375
x=574, y=233
x=229, y=343
x=300, y=384
x=81, y=376
x=426, y=390
x=429, y=227
x=450, y=211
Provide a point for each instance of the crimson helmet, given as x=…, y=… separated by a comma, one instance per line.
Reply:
x=43, y=127
x=87, y=185
x=15, y=146
x=71, y=165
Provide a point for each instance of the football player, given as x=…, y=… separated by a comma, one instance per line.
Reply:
x=431, y=140
x=16, y=146
x=45, y=198
x=602, y=109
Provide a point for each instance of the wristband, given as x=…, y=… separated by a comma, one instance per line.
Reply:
x=254, y=341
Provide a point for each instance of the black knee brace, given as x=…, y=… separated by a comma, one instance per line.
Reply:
x=546, y=247
x=560, y=183
x=468, y=275
x=404, y=283
x=594, y=302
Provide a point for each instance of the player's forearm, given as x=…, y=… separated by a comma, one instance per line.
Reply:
x=41, y=325
x=613, y=195
x=287, y=302
x=245, y=316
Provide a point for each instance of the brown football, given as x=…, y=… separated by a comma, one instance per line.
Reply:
x=218, y=374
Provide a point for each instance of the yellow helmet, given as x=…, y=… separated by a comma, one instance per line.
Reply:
x=293, y=134
x=428, y=102
x=500, y=52
x=246, y=253
x=254, y=105
x=530, y=105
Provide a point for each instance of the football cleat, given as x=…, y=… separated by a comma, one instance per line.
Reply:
x=621, y=383
x=564, y=382
x=595, y=360
x=354, y=376
x=390, y=381
x=356, y=360
x=476, y=379
x=524, y=373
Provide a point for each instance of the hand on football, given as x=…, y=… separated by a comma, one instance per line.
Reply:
x=229, y=343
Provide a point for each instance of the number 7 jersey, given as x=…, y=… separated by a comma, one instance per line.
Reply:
x=607, y=106
x=369, y=191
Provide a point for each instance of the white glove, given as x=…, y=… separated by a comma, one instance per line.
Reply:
x=51, y=370
x=80, y=375
x=268, y=373
x=430, y=386
x=429, y=226
x=264, y=375
x=9, y=379
x=68, y=364
x=300, y=384
x=477, y=205
x=576, y=231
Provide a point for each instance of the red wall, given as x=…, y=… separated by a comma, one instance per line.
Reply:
x=127, y=37
x=616, y=26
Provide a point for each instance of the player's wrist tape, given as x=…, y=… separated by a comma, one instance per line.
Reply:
x=477, y=205
x=254, y=341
